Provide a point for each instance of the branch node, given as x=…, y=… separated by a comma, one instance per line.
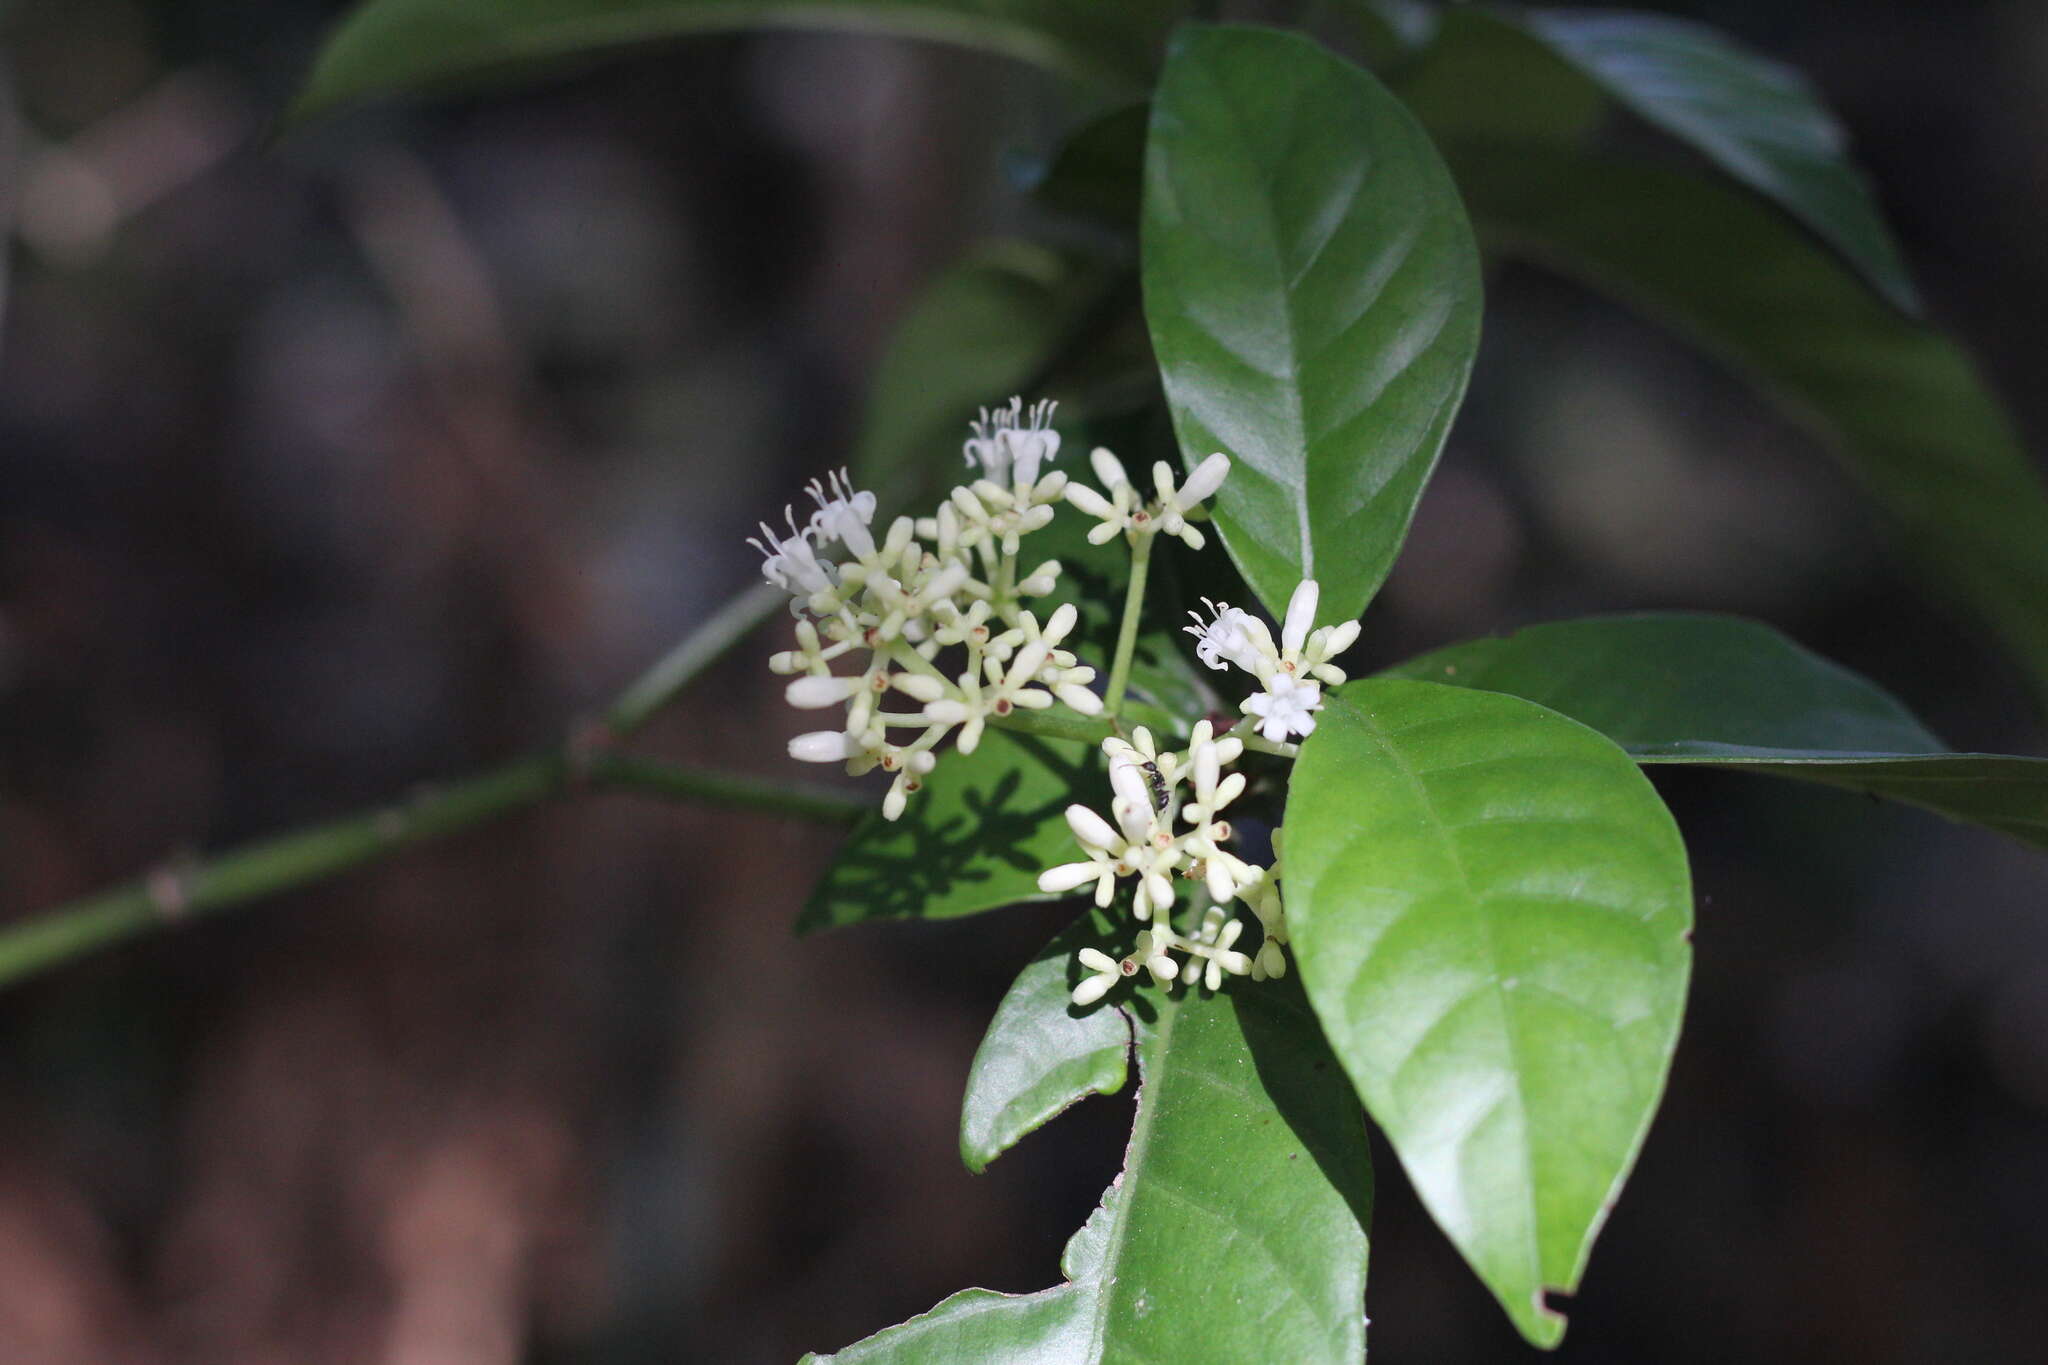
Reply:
x=590, y=738
x=169, y=888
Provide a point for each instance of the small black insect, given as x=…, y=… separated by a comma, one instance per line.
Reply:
x=1158, y=785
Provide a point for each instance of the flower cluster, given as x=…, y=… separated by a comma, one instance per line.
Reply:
x=1123, y=511
x=1166, y=820
x=1290, y=675
x=898, y=605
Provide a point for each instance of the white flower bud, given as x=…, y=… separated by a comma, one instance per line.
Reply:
x=946, y=712
x=1222, y=886
x=1207, y=477
x=920, y=686
x=1061, y=623
x=1104, y=533
x=1088, y=501
x=811, y=693
x=1095, y=960
x=1079, y=698
x=1093, y=989
x=823, y=746
x=1091, y=829
x=1160, y=890
x=1301, y=614
x=1057, y=881
x=1108, y=468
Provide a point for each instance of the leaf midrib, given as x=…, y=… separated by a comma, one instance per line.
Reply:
x=1441, y=829
x=1150, y=1081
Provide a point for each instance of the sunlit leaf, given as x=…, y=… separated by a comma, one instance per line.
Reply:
x=1313, y=294
x=1490, y=905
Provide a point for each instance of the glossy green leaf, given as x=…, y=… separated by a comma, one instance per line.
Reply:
x=385, y=46
x=1731, y=693
x=1490, y=908
x=1904, y=408
x=976, y=838
x=1313, y=294
x=1665, y=682
x=984, y=329
x=1042, y=1053
x=1236, y=1231
x=1757, y=119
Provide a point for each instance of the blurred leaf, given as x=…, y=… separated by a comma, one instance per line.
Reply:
x=1490, y=907
x=1042, y=1053
x=1756, y=119
x=1235, y=1232
x=976, y=838
x=1313, y=293
x=385, y=46
x=982, y=331
x=1094, y=174
x=1900, y=403
x=1730, y=693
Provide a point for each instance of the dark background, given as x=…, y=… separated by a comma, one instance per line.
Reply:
x=378, y=454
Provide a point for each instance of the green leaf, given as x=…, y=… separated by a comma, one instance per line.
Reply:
x=1042, y=1053
x=984, y=329
x=1901, y=404
x=1313, y=294
x=1490, y=909
x=1236, y=1231
x=385, y=46
x=1666, y=682
x=976, y=838
x=1094, y=173
x=1756, y=119
x=1731, y=693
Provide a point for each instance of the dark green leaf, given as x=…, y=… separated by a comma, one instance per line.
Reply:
x=976, y=838
x=1756, y=119
x=384, y=46
x=1042, y=1053
x=1094, y=174
x=1235, y=1232
x=1665, y=682
x=1313, y=295
x=980, y=332
x=1731, y=693
x=1901, y=404
x=1490, y=909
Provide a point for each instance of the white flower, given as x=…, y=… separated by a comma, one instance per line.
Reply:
x=1010, y=444
x=1287, y=707
x=843, y=514
x=790, y=563
x=1227, y=638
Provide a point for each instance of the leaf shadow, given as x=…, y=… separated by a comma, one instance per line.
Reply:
x=928, y=864
x=1308, y=1086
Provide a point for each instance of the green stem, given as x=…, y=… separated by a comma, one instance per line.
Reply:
x=822, y=805
x=1056, y=724
x=176, y=892
x=1127, y=633
x=701, y=648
